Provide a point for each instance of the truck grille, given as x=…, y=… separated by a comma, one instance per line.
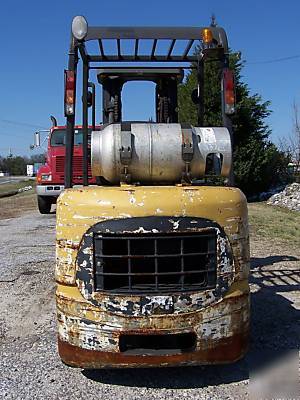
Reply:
x=77, y=165
x=60, y=164
x=155, y=263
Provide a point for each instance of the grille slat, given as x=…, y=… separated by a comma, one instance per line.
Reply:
x=77, y=165
x=155, y=263
x=152, y=274
x=129, y=264
x=156, y=255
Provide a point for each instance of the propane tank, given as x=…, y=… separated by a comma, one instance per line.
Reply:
x=158, y=153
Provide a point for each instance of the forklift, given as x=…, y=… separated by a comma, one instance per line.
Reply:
x=152, y=261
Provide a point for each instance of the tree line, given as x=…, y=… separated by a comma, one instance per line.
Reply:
x=17, y=165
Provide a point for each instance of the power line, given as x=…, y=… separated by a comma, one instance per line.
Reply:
x=15, y=148
x=14, y=135
x=275, y=60
x=7, y=121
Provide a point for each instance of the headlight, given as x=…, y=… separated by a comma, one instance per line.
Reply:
x=46, y=177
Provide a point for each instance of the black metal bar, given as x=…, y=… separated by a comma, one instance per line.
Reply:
x=153, y=256
x=136, y=48
x=224, y=65
x=153, y=273
x=153, y=48
x=167, y=69
x=129, y=264
x=156, y=264
x=171, y=48
x=200, y=78
x=83, y=53
x=142, y=58
x=134, y=68
x=85, y=80
x=119, y=48
x=146, y=32
x=188, y=48
x=227, y=122
x=92, y=86
x=182, y=262
x=212, y=262
x=101, y=48
x=98, y=265
x=72, y=66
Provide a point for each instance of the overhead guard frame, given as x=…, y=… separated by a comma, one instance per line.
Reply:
x=99, y=34
x=155, y=34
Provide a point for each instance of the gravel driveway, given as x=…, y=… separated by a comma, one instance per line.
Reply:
x=29, y=364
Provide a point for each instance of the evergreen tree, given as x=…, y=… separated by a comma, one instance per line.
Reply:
x=258, y=164
x=15, y=165
x=18, y=165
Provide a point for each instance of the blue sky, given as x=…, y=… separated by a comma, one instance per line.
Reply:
x=35, y=39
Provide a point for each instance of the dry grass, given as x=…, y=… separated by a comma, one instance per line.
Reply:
x=8, y=187
x=11, y=207
x=274, y=223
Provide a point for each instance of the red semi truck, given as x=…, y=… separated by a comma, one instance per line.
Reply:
x=50, y=177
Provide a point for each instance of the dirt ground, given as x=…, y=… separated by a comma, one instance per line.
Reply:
x=31, y=369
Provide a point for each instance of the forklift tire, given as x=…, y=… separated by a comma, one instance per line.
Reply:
x=44, y=204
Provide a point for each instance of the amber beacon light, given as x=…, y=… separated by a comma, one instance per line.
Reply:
x=207, y=35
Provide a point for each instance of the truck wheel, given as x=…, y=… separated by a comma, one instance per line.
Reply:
x=44, y=204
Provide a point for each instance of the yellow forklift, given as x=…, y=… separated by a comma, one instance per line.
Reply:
x=152, y=262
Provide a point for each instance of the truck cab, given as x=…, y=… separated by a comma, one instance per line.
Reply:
x=50, y=177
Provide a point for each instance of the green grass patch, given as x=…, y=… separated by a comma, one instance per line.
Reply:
x=272, y=222
x=11, y=186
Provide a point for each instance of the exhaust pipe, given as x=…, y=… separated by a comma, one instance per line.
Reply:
x=53, y=120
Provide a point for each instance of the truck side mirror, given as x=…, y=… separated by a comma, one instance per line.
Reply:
x=195, y=96
x=37, y=139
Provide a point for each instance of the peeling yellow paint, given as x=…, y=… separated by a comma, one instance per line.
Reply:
x=83, y=211
x=96, y=326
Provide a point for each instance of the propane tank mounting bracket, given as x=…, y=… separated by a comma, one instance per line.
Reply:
x=187, y=151
x=126, y=152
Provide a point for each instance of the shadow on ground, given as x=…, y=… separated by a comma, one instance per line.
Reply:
x=274, y=332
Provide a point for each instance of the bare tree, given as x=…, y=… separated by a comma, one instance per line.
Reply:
x=291, y=144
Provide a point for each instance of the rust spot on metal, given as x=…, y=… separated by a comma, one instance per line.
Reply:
x=66, y=243
x=214, y=352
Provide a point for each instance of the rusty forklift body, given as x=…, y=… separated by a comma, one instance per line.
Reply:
x=150, y=271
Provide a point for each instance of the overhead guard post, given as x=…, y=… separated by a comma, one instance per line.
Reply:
x=72, y=66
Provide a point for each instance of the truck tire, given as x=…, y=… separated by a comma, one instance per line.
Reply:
x=44, y=204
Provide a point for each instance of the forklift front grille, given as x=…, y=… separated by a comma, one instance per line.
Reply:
x=156, y=263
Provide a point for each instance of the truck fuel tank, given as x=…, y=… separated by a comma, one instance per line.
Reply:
x=159, y=153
